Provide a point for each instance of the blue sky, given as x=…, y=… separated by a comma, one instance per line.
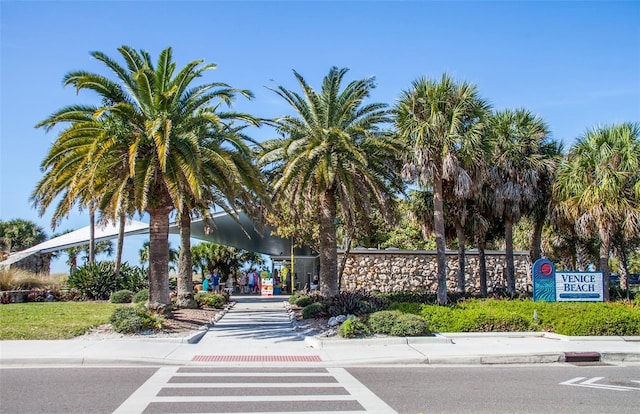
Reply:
x=576, y=64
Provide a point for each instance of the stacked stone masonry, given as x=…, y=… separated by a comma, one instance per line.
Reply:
x=416, y=271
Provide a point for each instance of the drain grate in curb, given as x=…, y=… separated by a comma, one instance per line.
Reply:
x=581, y=357
x=256, y=358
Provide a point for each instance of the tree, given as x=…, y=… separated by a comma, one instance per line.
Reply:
x=333, y=160
x=519, y=166
x=598, y=187
x=439, y=120
x=163, y=113
x=19, y=234
x=145, y=253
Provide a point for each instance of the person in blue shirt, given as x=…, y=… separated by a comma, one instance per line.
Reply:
x=215, y=281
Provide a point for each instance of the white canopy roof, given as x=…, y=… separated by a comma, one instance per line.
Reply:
x=224, y=230
x=78, y=237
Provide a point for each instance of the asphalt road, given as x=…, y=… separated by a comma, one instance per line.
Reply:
x=407, y=389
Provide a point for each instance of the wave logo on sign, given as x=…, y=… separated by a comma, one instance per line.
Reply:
x=544, y=281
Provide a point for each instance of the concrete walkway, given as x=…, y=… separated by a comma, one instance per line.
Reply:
x=257, y=330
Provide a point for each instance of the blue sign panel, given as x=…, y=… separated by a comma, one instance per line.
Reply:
x=544, y=280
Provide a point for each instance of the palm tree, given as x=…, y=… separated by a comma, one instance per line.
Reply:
x=233, y=183
x=598, y=186
x=439, y=121
x=519, y=164
x=163, y=114
x=333, y=160
x=552, y=153
x=19, y=234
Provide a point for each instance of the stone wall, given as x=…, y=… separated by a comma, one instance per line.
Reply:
x=416, y=270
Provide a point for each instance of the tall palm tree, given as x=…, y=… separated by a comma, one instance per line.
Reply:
x=519, y=164
x=598, y=186
x=333, y=160
x=164, y=113
x=542, y=207
x=440, y=120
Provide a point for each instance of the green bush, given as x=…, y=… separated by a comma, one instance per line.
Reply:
x=214, y=300
x=312, y=310
x=409, y=325
x=382, y=322
x=303, y=301
x=141, y=297
x=294, y=297
x=410, y=297
x=439, y=318
x=353, y=328
x=98, y=280
x=121, y=296
x=129, y=320
x=406, y=307
x=354, y=303
x=607, y=319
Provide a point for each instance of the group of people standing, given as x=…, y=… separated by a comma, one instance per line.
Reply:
x=250, y=282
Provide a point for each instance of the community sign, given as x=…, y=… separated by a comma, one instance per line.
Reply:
x=567, y=286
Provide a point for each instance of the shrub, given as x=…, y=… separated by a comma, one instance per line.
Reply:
x=406, y=307
x=129, y=320
x=354, y=303
x=95, y=280
x=439, y=318
x=488, y=320
x=133, y=278
x=141, y=297
x=303, y=301
x=383, y=321
x=214, y=300
x=312, y=310
x=294, y=297
x=409, y=325
x=605, y=319
x=410, y=297
x=121, y=296
x=353, y=328
x=98, y=280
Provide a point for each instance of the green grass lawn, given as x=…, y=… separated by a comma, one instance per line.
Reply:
x=52, y=320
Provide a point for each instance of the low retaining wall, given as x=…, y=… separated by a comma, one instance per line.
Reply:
x=416, y=270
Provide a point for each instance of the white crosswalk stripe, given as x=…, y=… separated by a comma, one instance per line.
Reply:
x=252, y=390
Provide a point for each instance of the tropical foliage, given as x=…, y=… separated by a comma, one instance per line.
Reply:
x=158, y=143
x=334, y=161
x=143, y=149
x=442, y=122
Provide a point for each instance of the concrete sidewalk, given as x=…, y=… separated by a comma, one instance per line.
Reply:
x=258, y=330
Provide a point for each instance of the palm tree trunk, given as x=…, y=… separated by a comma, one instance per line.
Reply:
x=461, y=258
x=185, y=264
x=510, y=267
x=159, y=259
x=328, y=245
x=438, y=225
x=121, y=224
x=92, y=236
x=536, y=240
x=604, y=263
x=482, y=268
x=343, y=262
x=582, y=255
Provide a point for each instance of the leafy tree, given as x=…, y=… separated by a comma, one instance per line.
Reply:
x=598, y=187
x=333, y=161
x=519, y=166
x=210, y=256
x=164, y=116
x=19, y=234
x=441, y=121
